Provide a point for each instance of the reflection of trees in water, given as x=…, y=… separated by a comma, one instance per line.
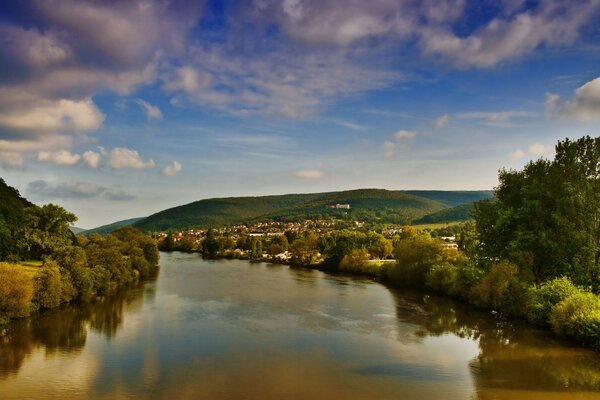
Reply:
x=512, y=355
x=65, y=328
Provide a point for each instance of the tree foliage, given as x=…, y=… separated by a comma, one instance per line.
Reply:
x=546, y=217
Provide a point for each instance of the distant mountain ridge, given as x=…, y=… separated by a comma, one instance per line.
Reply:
x=386, y=206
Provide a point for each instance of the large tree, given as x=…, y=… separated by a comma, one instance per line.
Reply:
x=546, y=217
x=45, y=230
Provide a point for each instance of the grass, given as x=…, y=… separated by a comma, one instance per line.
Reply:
x=436, y=225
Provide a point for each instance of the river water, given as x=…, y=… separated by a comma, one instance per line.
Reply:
x=232, y=329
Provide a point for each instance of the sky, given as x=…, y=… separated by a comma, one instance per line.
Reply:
x=118, y=109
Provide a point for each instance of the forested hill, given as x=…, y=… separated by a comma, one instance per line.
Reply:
x=11, y=214
x=108, y=228
x=366, y=204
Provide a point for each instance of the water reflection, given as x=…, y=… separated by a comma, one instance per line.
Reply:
x=65, y=329
x=230, y=329
x=513, y=356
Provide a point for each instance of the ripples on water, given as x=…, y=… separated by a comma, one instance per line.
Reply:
x=232, y=329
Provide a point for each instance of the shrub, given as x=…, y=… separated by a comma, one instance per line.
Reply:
x=442, y=278
x=578, y=316
x=415, y=258
x=501, y=290
x=48, y=286
x=549, y=294
x=356, y=261
x=16, y=292
x=453, y=279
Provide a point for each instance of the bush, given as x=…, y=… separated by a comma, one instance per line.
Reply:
x=442, y=278
x=578, y=316
x=16, y=292
x=48, y=286
x=501, y=290
x=453, y=279
x=415, y=258
x=549, y=294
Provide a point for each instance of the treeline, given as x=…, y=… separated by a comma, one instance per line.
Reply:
x=70, y=267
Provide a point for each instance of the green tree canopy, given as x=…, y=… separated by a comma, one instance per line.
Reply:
x=546, y=217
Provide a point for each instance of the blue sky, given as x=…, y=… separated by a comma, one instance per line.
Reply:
x=117, y=109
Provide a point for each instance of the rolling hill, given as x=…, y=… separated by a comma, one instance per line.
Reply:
x=366, y=204
x=106, y=229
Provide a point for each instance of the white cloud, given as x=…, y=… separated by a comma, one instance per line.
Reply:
x=287, y=82
x=310, y=174
x=498, y=119
x=187, y=79
x=441, y=121
x=539, y=149
x=514, y=33
x=152, y=112
x=389, y=149
x=52, y=116
x=61, y=157
x=11, y=160
x=91, y=159
x=584, y=106
x=403, y=134
x=120, y=158
x=516, y=155
x=533, y=151
x=173, y=169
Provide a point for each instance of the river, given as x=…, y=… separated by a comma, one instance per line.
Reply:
x=231, y=329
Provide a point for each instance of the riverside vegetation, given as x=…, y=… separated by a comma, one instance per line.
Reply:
x=531, y=252
x=71, y=267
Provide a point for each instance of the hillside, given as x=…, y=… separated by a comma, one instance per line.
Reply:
x=366, y=204
x=108, y=228
x=458, y=213
x=453, y=198
x=11, y=208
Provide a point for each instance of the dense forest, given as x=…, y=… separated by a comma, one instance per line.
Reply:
x=65, y=267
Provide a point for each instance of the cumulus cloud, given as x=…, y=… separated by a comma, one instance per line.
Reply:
x=91, y=159
x=441, y=121
x=56, y=55
x=310, y=174
x=516, y=155
x=48, y=116
x=173, y=169
x=43, y=190
x=152, y=112
x=513, y=28
x=121, y=158
x=62, y=157
x=533, y=151
x=583, y=106
x=11, y=160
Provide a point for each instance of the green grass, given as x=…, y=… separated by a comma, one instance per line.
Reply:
x=436, y=225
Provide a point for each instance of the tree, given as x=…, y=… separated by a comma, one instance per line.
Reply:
x=211, y=244
x=45, y=230
x=546, y=217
